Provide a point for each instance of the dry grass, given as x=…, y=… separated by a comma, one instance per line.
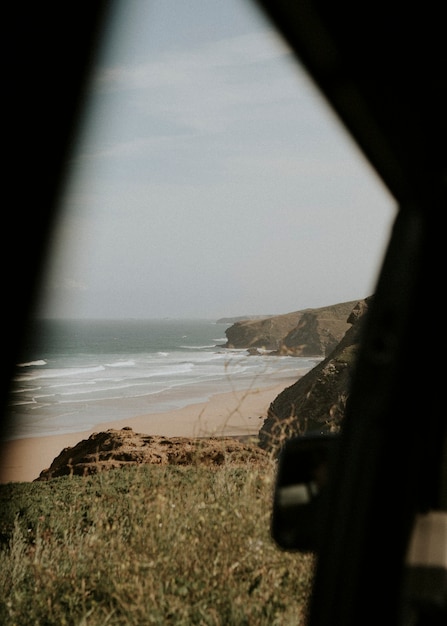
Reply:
x=148, y=545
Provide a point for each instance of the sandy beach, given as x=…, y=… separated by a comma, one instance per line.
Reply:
x=236, y=413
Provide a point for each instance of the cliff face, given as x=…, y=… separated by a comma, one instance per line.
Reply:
x=265, y=333
x=311, y=332
x=316, y=402
x=318, y=331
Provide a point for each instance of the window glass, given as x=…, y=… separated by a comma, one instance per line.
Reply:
x=210, y=179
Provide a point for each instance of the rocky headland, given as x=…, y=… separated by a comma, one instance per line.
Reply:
x=310, y=332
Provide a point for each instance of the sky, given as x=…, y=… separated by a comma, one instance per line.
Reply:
x=210, y=178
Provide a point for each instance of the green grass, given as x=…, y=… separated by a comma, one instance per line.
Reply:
x=149, y=545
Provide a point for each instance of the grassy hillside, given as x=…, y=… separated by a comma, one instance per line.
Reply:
x=148, y=545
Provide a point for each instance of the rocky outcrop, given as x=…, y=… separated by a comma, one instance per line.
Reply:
x=317, y=401
x=114, y=449
x=311, y=332
x=318, y=331
x=266, y=334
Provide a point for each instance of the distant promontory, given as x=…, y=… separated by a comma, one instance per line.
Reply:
x=309, y=332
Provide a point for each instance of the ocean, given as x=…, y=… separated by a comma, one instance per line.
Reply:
x=75, y=374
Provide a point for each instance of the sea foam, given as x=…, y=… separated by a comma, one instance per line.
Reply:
x=86, y=373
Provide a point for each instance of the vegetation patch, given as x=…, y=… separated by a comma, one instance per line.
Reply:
x=148, y=544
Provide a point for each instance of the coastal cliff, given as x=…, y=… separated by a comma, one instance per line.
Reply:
x=310, y=332
x=265, y=334
x=317, y=401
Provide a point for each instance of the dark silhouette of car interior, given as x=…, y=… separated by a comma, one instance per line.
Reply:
x=371, y=502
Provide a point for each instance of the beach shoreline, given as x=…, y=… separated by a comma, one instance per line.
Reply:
x=232, y=414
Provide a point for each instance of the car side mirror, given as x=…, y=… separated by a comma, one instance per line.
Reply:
x=303, y=468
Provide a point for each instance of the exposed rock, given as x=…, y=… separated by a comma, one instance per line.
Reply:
x=117, y=448
x=317, y=401
x=318, y=331
x=254, y=352
x=266, y=333
x=310, y=332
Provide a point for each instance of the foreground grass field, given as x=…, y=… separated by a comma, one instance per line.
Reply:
x=146, y=545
